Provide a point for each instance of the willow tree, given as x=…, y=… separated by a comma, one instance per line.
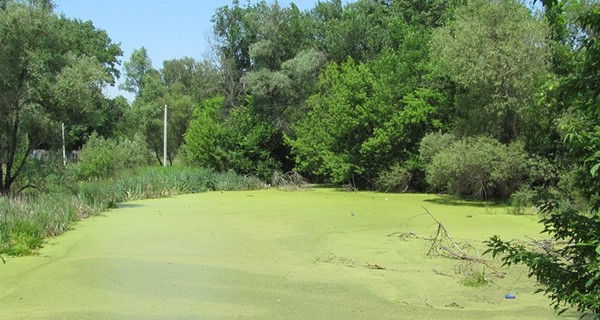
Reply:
x=496, y=53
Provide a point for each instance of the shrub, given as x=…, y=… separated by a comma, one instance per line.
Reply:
x=434, y=143
x=44, y=175
x=289, y=181
x=205, y=137
x=243, y=141
x=396, y=179
x=522, y=201
x=102, y=158
x=478, y=168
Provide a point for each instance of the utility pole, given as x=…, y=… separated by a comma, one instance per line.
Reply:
x=63, y=145
x=165, y=139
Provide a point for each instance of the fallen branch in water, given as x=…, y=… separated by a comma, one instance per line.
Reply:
x=443, y=244
x=375, y=266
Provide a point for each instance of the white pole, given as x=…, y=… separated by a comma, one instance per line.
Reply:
x=63, y=143
x=165, y=139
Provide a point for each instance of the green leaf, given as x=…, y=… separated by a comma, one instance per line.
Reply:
x=594, y=170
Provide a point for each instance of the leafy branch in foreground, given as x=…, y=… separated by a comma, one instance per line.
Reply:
x=568, y=268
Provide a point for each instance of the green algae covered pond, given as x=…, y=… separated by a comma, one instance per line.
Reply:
x=270, y=255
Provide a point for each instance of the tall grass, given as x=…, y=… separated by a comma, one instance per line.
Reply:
x=26, y=220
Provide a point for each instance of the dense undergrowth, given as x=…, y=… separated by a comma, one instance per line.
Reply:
x=28, y=218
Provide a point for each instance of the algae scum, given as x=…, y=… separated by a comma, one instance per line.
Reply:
x=269, y=254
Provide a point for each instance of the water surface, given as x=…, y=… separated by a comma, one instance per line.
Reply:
x=268, y=255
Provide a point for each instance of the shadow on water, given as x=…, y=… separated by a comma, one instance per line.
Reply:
x=128, y=205
x=455, y=201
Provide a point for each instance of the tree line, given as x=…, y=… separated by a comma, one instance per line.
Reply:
x=346, y=93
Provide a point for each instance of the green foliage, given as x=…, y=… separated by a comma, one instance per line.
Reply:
x=522, y=201
x=136, y=69
x=434, y=143
x=568, y=267
x=473, y=276
x=96, y=158
x=395, y=179
x=22, y=238
x=568, y=270
x=253, y=144
x=580, y=126
x=241, y=142
x=188, y=77
x=161, y=182
x=204, y=138
x=478, y=168
x=339, y=120
x=26, y=221
x=63, y=64
x=102, y=158
x=42, y=174
x=495, y=51
x=231, y=181
x=356, y=127
x=180, y=85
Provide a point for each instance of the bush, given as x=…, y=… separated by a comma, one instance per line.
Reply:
x=289, y=181
x=102, y=158
x=522, y=201
x=478, y=168
x=242, y=142
x=396, y=179
x=434, y=143
x=44, y=175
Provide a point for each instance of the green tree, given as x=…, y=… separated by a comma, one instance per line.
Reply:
x=204, y=139
x=177, y=86
x=136, y=68
x=359, y=30
x=186, y=76
x=357, y=126
x=495, y=51
x=85, y=110
x=242, y=141
x=569, y=269
x=44, y=80
x=147, y=113
x=83, y=38
x=233, y=39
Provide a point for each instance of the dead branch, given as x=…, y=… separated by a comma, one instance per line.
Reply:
x=548, y=246
x=443, y=244
x=375, y=266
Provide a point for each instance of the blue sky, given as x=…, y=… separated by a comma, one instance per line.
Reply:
x=168, y=29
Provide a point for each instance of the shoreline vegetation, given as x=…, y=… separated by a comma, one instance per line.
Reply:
x=26, y=220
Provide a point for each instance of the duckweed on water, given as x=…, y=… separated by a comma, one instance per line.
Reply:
x=269, y=254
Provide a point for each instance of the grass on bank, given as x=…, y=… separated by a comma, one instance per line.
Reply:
x=26, y=220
